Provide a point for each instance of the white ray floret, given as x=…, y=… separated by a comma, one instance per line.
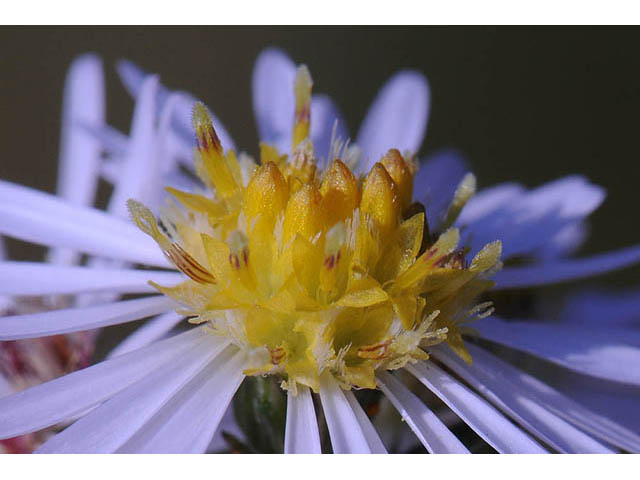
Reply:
x=485, y=420
x=187, y=423
x=106, y=428
x=46, y=220
x=154, y=329
x=57, y=400
x=566, y=270
x=433, y=434
x=55, y=322
x=79, y=165
x=301, y=430
x=35, y=278
x=519, y=404
x=350, y=432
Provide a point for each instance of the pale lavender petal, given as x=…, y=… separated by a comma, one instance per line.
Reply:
x=397, y=117
x=436, y=182
x=154, y=329
x=175, y=178
x=345, y=429
x=5, y=386
x=503, y=386
x=594, y=405
x=34, y=278
x=563, y=243
x=78, y=166
x=51, y=402
x=485, y=420
x=566, y=270
x=139, y=176
x=487, y=201
x=187, y=423
x=44, y=219
x=589, y=308
x=529, y=222
x=5, y=301
x=301, y=432
x=228, y=425
x=132, y=78
x=370, y=433
x=433, y=434
x=113, y=141
x=55, y=322
x=273, y=100
x=110, y=425
x=611, y=354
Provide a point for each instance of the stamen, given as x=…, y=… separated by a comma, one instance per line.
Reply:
x=302, y=88
x=188, y=265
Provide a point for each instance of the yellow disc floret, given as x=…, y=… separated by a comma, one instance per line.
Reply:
x=316, y=271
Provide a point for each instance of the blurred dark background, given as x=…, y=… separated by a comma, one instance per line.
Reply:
x=526, y=104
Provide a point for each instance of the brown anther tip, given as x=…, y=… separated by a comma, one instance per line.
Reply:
x=277, y=355
x=188, y=265
x=330, y=262
x=430, y=253
x=206, y=136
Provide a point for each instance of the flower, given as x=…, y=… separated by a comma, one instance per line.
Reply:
x=328, y=265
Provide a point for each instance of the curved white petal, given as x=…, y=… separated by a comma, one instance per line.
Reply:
x=55, y=322
x=485, y=420
x=600, y=352
x=112, y=167
x=113, y=141
x=47, y=220
x=566, y=270
x=370, y=433
x=34, y=278
x=500, y=384
x=301, y=431
x=110, y=425
x=51, y=402
x=350, y=432
x=133, y=77
x=433, y=434
x=273, y=100
x=78, y=166
x=154, y=329
x=436, y=182
x=187, y=423
x=140, y=176
x=397, y=118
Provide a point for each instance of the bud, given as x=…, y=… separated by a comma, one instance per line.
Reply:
x=266, y=193
x=304, y=214
x=401, y=174
x=340, y=193
x=380, y=199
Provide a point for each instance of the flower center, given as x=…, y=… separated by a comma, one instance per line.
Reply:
x=315, y=270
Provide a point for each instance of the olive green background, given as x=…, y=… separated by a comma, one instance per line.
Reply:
x=522, y=103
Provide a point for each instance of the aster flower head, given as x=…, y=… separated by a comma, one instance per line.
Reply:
x=328, y=265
